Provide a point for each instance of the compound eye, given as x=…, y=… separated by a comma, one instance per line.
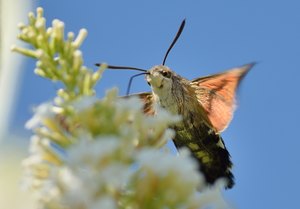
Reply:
x=166, y=74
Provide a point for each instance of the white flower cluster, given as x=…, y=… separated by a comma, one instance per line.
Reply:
x=120, y=166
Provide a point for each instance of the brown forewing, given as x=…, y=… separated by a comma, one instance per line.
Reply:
x=216, y=93
x=147, y=100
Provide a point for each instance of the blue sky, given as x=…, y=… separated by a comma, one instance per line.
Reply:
x=262, y=138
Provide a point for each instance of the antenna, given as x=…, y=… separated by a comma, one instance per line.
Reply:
x=144, y=72
x=121, y=67
x=174, y=41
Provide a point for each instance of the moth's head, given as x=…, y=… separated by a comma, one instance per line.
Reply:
x=160, y=77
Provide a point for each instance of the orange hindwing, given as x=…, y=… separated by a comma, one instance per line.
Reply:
x=216, y=93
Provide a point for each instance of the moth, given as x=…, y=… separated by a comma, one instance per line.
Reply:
x=206, y=105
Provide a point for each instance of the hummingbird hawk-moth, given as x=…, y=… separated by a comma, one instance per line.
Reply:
x=206, y=105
